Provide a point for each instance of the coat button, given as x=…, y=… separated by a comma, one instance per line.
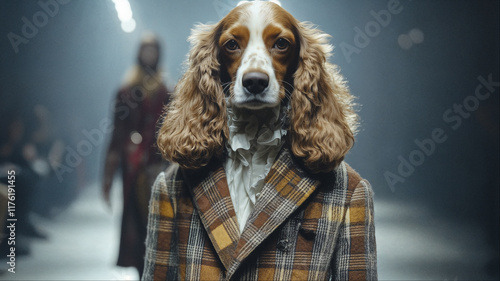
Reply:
x=283, y=245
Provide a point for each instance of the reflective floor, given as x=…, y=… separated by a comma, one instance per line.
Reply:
x=412, y=245
x=82, y=244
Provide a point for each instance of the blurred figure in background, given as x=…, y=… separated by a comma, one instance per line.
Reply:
x=46, y=154
x=16, y=153
x=137, y=108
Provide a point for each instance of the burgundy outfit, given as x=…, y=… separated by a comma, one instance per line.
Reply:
x=133, y=148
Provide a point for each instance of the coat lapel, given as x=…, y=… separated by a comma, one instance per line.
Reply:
x=286, y=188
x=213, y=201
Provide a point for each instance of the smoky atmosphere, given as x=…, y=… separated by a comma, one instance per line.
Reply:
x=425, y=76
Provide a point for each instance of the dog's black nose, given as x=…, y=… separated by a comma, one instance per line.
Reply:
x=255, y=82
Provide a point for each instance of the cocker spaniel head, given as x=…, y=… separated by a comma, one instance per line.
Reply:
x=256, y=57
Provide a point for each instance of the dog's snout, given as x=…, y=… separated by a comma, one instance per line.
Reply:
x=255, y=82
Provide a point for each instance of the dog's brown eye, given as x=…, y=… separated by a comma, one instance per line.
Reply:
x=232, y=45
x=281, y=44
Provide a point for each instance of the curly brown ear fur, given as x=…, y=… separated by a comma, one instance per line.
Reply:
x=322, y=119
x=194, y=127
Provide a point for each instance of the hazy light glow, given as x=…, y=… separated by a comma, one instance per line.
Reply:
x=413, y=37
x=416, y=35
x=125, y=15
x=128, y=26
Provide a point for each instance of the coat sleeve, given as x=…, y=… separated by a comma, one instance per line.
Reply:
x=160, y=261
x=355, y=256
x=152, y=229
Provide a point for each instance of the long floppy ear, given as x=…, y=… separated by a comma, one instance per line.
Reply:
x=322, y=120
x=194, y=126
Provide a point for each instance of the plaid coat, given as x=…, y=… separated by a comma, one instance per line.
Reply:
x=303, y=227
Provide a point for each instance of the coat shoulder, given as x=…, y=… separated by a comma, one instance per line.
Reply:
x=353, y=177
x=172, y=172
x=169, y=180
x=356, y=183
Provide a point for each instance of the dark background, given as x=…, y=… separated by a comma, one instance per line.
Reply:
x=76, y=61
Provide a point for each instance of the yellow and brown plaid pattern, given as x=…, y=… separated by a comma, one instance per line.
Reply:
x=304, y=227
x=217, y=214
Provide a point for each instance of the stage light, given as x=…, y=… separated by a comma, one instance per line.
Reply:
x=125, y=15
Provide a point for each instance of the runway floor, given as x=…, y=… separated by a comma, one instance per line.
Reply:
x=412, y=245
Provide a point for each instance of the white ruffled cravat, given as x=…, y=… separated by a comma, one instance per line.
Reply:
x=252, y=149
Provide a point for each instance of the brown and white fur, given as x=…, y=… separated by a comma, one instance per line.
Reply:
x=258, y=57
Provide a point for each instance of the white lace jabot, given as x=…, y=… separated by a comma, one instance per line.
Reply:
x=252, y=148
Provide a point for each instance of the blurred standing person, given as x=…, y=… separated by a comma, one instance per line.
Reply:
x=138, y=106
